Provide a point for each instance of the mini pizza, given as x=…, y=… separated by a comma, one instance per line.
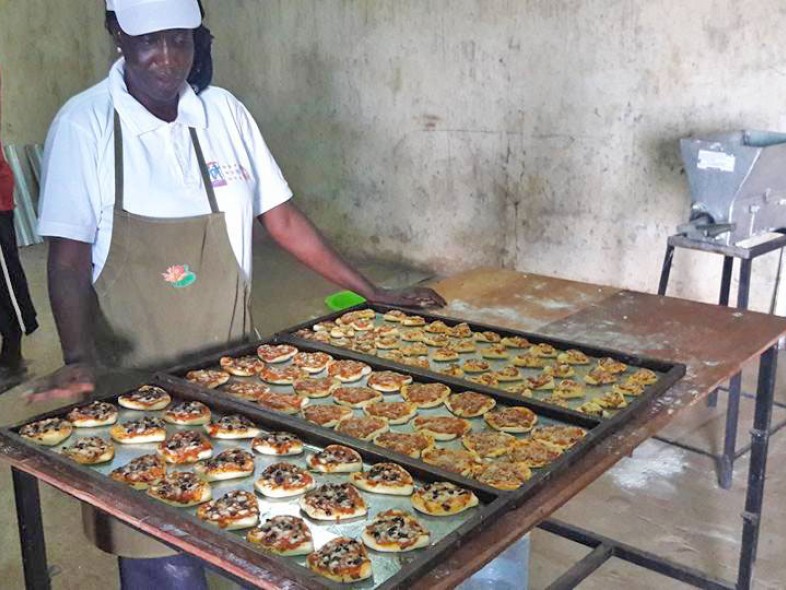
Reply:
x=209, y=378
x=544, y=350
x=487, y=379
x=356, y=397
x=312, y=362
x=515, y=342
x=362, y=324
x=643, y=377
x=533, y=452
x=394, y=315
x=233, y=426
x=229, y=464
x=521, y=389
x=284, y=480
x=90, y=450
x=315, y=388
x=233, y=511
x=573, y=357
x=326, y=326
x=420, y=361
x=326, y=415
x=495, y=351
x=342, y=333
x=283, y=535
x=393, y=412
x=488, y=336
x=286, y=403
x=335, y=459
x=591, y=409
x=629, y=388
x=413, y=321
x=242, y=366
x=530, y=361
x=600, y=376
x=307, y=334
x=362, y=427
x=489, y=444
x=137, y=432
x=387, y=342
x=452, y=370
x=411, y=444
x=540, y=382
x=555, y=400
x=442, y=427
x=341, y=560
x=277, y=443
x=395, y=531
x=568, y=389
x=413, y=335
x=611, y=365
x=185, y=446
x=611, y=400
x=475, y=366
x=414, y=349
x=368, y=348
x=276, y=353
x=436, y=340
x=246, y=390
x=560, y=437
x=386, y=332
x=504, y=475
x=511, y=419
x=282, y=375
x=141, y=472
x=470, y=404
x=559, y=370
x=443, y=498
x=348, y=371
x=148, y=398
x=463, y=346
x=461, y=330
x=426, y=395
x=436, y=327
x=93, y=415
x=384, y=478
x=333, y=501
x=507, y=374
x=181, y=489
x=444, y=355
x=188, y=413
x=388, y=381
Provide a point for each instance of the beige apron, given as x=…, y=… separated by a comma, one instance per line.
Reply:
x=171, y=289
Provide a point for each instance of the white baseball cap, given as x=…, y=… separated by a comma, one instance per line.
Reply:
x=140, y=17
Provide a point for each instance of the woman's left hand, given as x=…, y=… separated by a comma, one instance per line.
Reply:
x=408, y=297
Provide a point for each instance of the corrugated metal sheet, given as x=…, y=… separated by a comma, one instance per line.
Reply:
x=26, y=166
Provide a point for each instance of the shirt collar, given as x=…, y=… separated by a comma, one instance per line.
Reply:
x=138, y=120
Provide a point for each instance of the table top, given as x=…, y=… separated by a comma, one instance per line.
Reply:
x=713, y=342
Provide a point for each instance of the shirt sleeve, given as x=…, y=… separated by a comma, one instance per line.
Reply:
x=69, y=203
x=272, y=188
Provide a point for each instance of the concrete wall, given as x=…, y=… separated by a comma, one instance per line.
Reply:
x=539, y=135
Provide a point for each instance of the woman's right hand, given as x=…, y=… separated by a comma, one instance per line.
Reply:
x=70, y=382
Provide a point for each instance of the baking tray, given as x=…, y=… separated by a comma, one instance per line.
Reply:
x=390, y=570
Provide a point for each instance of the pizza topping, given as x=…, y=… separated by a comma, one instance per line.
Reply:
x=461, y=330
x=231, y=507
x=629, y=388
x=543, y=381
x=611, y=365
x=148, y=395
x=312, y=362
x=311, y=387
x=185, y=445
x=487, y=379
x=288, y=403
x=385, y=474
x=181, y=487
x=488, y=336
x=391, y=410
x=413, y=320
x=533, y=452
x=406, y=443
x=543, y=350
x=612, y=400
x=348, y=370
x=285, y=476
x=333, y=455
x=281, y=533
x=413, y=335
x=145, y=469
x=230, y=460
x=425, y=394
x=246, y=389
x=414, y=349
x=388, y=380
x=495, y=351
x=340, y=557
x=325, y=326
x=420, y=361
x=529, y=361
x=476, y=366
x=488, y=444
x=88, y=449
x=362, y=427
x=447, y=425
x=394, y=315
x=643, y=377
x=35, y=429
x=99, y=411
x=504, y=475
x=455, y=461
x=335, y=499
x=355, y=396
x=209, y=378
x=513, y=417
x=282, y=375
x=437, y=340
x=515, y=342
x=443, y=498
x=276, y=353
x=142, y=425
x=600, y=376
x=283, y=442
x=231, y=423
x=396, y=528
x=573, y=357
x=188, y=410
x=507, y=374
x=325, y=414
x=243, y=365
x=559, y=370
x=469, y=404
x=562, y=437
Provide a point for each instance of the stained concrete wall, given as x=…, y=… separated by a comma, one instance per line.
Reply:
x=533, y=134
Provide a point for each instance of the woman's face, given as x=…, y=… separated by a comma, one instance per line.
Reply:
x=157, y=64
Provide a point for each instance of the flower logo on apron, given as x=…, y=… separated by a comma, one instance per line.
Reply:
x=179, y=276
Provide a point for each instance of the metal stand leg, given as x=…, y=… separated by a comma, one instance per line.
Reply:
x=723, y=299
x=31, y=531
x=726, y=461
x=665, y=270
x=758, y=467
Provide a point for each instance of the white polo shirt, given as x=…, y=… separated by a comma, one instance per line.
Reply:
x=162, y=177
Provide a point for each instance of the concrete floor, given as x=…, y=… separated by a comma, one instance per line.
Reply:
x=661, y=499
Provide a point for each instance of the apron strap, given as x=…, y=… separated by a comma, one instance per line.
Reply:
x=211, y=195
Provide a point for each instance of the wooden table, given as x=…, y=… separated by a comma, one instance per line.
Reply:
x=713, y=342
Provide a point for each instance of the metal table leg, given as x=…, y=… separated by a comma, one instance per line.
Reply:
x=760, y=436
x=723, y=299
x=31, y=531
x=665, y=270
x=726, y=461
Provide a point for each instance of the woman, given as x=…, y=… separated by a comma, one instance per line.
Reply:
x=17, y=314
x=149, y=195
